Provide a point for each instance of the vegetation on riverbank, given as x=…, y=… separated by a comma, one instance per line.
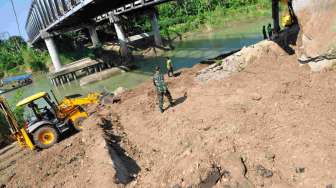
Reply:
x=176, y=18
x=16, y=57
x=18, y=113
x=189, y=15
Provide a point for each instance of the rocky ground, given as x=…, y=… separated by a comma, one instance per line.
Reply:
x=255, y=119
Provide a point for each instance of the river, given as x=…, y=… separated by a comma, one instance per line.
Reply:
x=186, y=53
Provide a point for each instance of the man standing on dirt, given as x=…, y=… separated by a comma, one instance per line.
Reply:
x=161, y=88
x=170, y=67
x=270, y=31
x=264, y=31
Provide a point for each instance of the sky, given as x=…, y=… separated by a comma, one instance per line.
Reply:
x=7, y=18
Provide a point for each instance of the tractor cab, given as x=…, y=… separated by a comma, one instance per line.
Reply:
x=41, y=106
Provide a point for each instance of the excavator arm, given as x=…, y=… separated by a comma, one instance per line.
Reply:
x=18, y=133
x=288, y=17
x=92, y=98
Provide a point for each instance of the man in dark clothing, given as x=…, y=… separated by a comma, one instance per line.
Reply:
x=264, y=32
x=270, y=31
x=161, y=89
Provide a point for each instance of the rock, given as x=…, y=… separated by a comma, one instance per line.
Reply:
x=300, y=170
x=119, y=91
x=256, y=97
x=313, y=46
x=321, y=65
x=235, y=62
x=226, y=174
x=176, y=186
x=330, y=186
x=263, y=172
x=270, y=156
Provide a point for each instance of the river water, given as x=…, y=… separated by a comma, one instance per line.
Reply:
x=186, y=53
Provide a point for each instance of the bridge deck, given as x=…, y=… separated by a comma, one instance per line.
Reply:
x=60, y=15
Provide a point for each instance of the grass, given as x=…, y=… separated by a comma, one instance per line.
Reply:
x=216, y=19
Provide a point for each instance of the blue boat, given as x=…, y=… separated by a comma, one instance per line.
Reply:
x=15, y=82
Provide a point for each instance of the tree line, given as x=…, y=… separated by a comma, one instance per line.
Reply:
x=16, y=56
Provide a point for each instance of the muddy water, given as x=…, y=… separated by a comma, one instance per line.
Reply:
x=185, y=54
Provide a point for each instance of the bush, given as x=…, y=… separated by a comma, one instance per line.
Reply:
x=186, y=15
x=15, y=54
x=34, y=59
x=18, y=113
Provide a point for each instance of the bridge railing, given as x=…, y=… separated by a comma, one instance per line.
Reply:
x=43, y=13
x=138, y=4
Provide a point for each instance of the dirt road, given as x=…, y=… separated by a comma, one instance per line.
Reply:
x=270, y=125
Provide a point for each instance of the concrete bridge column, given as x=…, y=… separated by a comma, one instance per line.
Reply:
x=122, y=39
x=52, y=49
x=94, y=36
x=120, y=34
x=156, y=28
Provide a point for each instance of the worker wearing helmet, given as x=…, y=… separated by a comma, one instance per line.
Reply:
x=161, y=88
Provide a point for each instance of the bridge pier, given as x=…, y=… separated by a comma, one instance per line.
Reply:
x=94, y=36
x=52, y=49
x=122, y=39
x=156, y=28
x=120, y=34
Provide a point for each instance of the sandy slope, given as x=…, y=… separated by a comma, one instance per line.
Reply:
x=270, y=125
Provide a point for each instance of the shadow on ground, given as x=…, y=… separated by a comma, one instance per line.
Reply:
x=126, y=167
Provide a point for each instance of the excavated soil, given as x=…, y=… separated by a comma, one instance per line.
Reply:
x=272, y=124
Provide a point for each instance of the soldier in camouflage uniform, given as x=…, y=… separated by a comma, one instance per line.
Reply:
x=161, y=88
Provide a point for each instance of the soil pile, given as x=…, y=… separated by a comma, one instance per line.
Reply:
x=270, y=125
x=239, y=60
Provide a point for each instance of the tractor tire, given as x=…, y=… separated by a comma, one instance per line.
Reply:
x=45, y=137
x=77, y=124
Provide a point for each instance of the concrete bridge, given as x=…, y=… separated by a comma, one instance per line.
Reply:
x=47, y=18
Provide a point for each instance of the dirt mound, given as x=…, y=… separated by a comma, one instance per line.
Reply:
x=270, y=125
x=238, y=61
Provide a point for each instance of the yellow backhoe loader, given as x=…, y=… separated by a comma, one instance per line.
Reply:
x=288, y=18
x=48, y=123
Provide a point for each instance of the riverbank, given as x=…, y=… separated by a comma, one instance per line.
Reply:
x=198, y=14
x=232, y=29
x=267, y=124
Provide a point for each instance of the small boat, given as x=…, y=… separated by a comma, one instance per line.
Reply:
x=15, y=82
